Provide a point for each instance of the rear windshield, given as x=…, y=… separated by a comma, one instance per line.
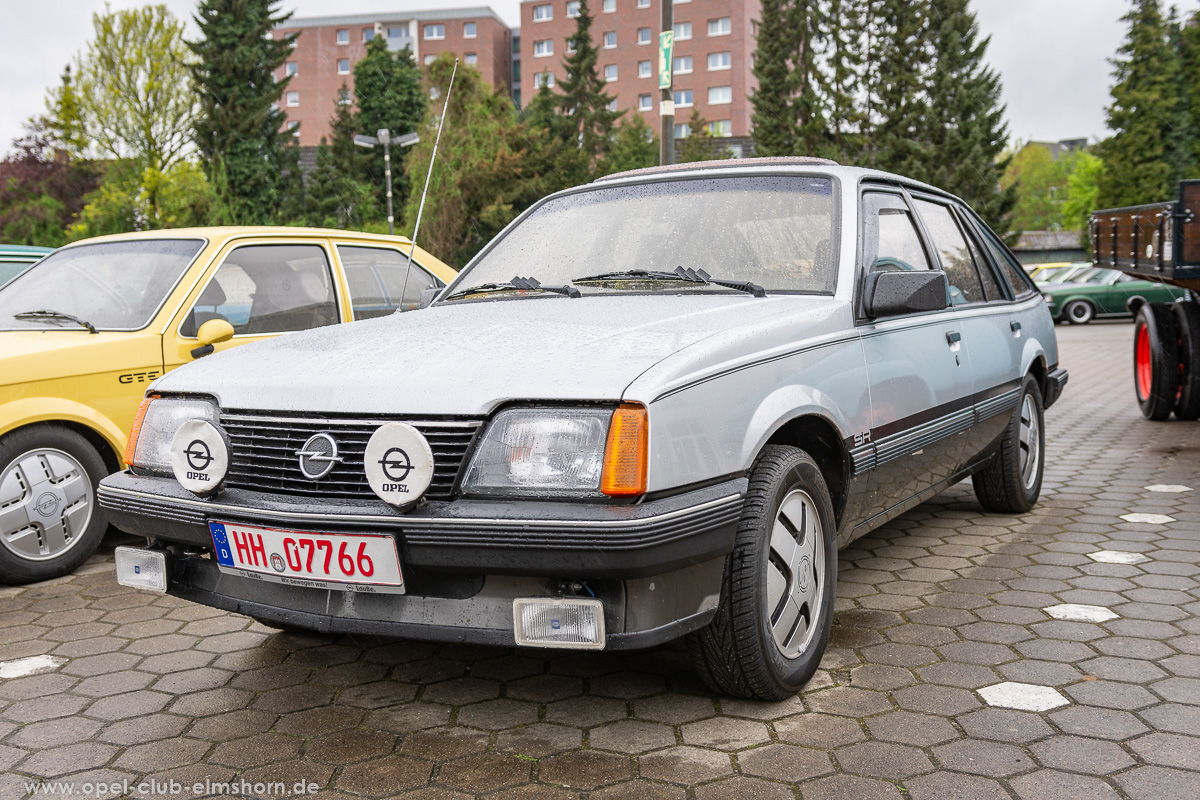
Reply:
x=112, y=285
x=772, y=231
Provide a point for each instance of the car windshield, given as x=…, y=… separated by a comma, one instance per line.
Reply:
x=1066, y=274
x=111, y=285
x=768, y=230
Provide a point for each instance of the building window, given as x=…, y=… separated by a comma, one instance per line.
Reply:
x=719, y=61
x=541, y=79
x=719, y=27
x=343, y=36
x=682, y=65
x=683, y=97
x=643, y=36
x=469, y=30
x=368, y=34
x=545, y=47
x=570, y=45
x=721, y=127
x=645, y=102
x=610, y=39
x=720, y=94
x=293, y=98
x=643, y=3
x=471, y=58
x=683, y=130
x=291, y=68
x=543, y=13
x=294, y=127
x=397, y=33
x=430, y=59
x=435, y=31
x=643, y=69
x=612, y=106
x=683, y=30
x=343, y=66
x=343, y=96
x=573, y=9
x=610, y=6
x=610, y=73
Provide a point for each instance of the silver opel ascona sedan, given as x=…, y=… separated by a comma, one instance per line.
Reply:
x=654, y=406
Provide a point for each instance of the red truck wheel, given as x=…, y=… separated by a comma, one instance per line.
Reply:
x=1155, y=361
x=1187, y=331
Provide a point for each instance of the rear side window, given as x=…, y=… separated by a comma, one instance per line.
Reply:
x=376, y=279
x=965, y=284
x=890, y=239
x=1009, y=267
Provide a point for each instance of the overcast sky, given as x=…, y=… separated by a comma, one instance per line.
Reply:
x=1051, y=54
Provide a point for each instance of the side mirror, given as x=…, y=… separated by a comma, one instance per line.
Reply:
x=890, y=293
x=428, y=296
x=212, y=332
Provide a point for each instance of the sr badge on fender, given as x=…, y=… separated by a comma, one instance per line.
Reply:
x=200, y=457
x=399, y=464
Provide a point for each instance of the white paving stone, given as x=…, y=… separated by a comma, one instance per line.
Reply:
x=1149, y=519
x=21, y=667
x=1168, y=488
x=1022, y=696
x=1117, y=557
x=1076, y=612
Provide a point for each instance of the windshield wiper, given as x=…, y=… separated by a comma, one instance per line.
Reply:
x=517, y=284
x=51, y=315
x=680, y=274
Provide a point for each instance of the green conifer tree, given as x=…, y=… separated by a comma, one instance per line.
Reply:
x=843, y=66
x=388, y=94
x=894, y=83
x=1183, y=135
x=583, y=101
x=774, y=116
x=634, y=146
x=1145, y=100
x=808, y=88
x=1189, y=81
x=239, y=131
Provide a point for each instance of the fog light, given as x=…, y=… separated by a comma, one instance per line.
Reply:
x=142, y=569
x=558, y=622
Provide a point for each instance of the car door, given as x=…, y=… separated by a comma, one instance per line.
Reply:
x=918, y=368
x=380, y=279
x=263, y=289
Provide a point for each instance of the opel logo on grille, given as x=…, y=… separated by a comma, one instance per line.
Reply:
x=318, y=456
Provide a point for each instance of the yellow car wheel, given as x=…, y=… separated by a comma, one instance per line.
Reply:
x=50, y=522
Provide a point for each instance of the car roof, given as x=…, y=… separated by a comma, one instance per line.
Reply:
x=24, y=250
x=228, y=232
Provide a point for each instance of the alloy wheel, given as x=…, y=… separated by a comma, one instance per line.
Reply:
x=1030, y=441
x=795, y=574
x=46, y=503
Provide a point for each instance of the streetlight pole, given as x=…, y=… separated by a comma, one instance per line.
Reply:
x=666, y=141
x=384, y=137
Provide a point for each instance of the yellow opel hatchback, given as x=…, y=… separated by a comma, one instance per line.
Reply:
x=85, y=331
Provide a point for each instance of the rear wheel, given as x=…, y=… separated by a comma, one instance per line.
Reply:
x=1079, y=312
x=776, y=605
x=1155, y=361
x=50, y=522
x=1187, y=337
x=1011, y=482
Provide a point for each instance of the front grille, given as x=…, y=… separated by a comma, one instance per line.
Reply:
x=264, y=444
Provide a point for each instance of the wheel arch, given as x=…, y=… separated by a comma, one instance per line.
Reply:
x=100, y=431
x=1134, y=303
x=818, y=436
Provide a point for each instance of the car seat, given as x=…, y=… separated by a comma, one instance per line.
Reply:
x=289, y=300
x=212, y=296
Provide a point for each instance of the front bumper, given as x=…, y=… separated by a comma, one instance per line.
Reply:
x=657, y=566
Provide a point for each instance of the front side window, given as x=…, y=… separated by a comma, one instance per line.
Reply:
x=376, y=279
x=719, y=27
x=111, y=285
x=268, y=288
x=890, y=239
x=643, y=69
x=343, y=36
x=953, y=252
x=469, y=30
x=545, y=47
x=435, y=31
x=683, y=30
x=772, y=230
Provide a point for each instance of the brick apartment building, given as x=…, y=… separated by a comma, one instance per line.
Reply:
x=329, y=47
x=714, y=43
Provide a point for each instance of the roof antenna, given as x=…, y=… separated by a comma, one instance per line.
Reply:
x=412, y=243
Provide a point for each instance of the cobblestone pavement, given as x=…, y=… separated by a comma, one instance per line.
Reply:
x=934, y=611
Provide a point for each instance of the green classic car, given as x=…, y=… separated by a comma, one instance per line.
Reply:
x=1098, y=293
x=16, y=258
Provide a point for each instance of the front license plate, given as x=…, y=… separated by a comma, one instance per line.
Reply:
x=353, y=562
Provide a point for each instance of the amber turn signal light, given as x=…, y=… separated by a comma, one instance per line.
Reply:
x=626, y=453
x=136, y=430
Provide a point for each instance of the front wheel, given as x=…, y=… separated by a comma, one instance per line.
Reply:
x=50, y=522
x=1079, y=312
x=776, y=604
x=1011, y=481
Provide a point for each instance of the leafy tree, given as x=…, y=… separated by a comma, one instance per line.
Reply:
x=41, y=188
x=774, y=117
x=1083, y=189
x=1145, y=100
x=65, y=120
x=634, y=146
x=1040, y=183
x=583, y=101
x=131, y=98
x=239, y=132
x=131, y=198
x=387, y=92
x=962, y=124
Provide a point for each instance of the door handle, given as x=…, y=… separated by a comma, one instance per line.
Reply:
x=953, y=338
x=1015, y=327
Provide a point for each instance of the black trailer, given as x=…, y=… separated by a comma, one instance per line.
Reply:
x=1160, y=242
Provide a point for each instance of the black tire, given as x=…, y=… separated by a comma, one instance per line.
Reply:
x=1079, y=312
x=1155, y=361
x=1011, y=481
x=737, y=652
x=1187, y=337
x=50, y=474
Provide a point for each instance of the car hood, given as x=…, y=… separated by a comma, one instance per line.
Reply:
x=30, y=356
x=469, y=357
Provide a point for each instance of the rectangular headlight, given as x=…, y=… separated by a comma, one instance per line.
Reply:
x=162, y=418
x=546, y=451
